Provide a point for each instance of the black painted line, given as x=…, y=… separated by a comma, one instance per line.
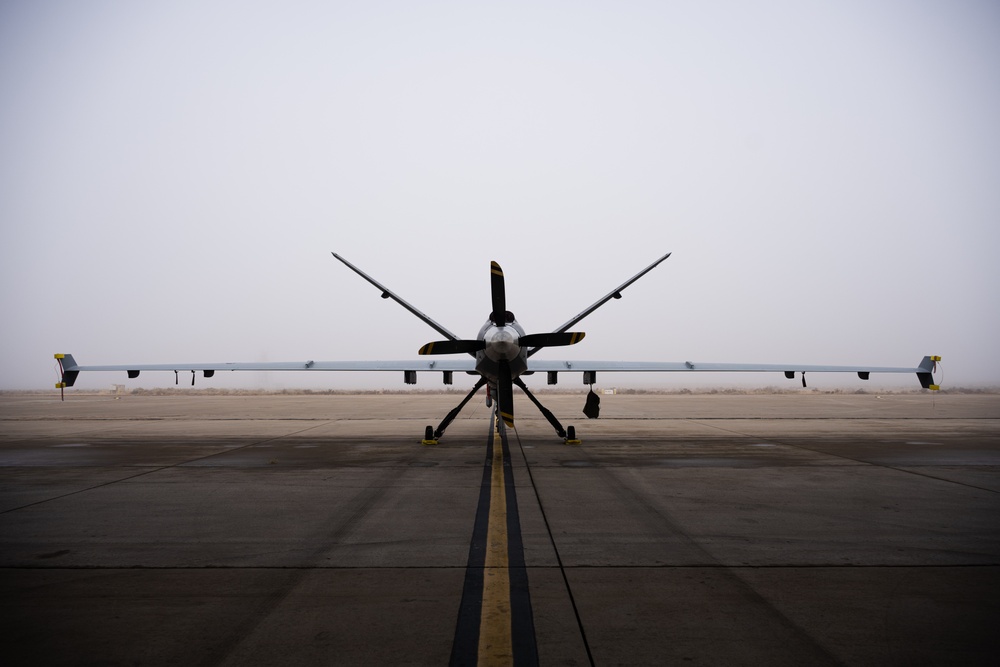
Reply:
x=523, y=640
x=465, y=646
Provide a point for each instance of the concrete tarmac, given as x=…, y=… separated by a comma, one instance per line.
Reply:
x=693, y=529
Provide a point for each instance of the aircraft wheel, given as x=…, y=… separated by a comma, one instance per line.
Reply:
x=571, y=433
x=429, y=433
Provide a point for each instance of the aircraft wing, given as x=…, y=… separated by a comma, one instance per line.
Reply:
x=71, y=369
x=923, y=371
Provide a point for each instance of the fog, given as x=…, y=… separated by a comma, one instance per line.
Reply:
x=174, y=176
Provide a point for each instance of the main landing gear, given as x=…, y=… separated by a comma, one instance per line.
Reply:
x=431, y=435
x=568, y=434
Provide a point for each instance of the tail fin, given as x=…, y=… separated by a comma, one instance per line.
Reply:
x=927, y=366
x=68, y=370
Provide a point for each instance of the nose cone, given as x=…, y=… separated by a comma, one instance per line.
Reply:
x=501, y=343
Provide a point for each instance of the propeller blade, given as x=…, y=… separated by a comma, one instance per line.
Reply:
x=551, y=339
x=505, y=393
x=452, y=347
x=499, y=314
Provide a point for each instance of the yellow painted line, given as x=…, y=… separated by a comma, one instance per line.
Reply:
x=495, y=645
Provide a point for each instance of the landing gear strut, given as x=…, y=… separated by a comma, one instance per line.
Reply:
x=568, y=434
x=431, y=435
x=560, y=431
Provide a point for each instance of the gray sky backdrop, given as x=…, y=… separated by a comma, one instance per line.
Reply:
x=174, y=175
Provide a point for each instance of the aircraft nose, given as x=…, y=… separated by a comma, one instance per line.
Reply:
x=503, y=344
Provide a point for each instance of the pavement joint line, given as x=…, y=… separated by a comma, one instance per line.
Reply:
x=906, y=471
x=181, y=418
x=157, y=469
x=775, y=418
x=662, y=566
x=778, y=418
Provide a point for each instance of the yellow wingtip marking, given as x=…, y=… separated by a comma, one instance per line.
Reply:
x=60, y=356
x=426, y=349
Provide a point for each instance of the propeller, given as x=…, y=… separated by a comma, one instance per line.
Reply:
x=501, y=317
x=531, y=340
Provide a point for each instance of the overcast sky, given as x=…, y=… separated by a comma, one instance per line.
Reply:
x=174, y=175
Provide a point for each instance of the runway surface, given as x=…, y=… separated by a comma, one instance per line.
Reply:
x=692, y=529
